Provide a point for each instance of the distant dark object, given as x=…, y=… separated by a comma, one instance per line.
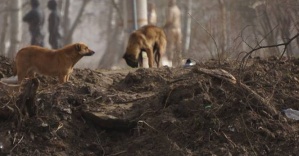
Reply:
x=189, y=63
x=35, y=19
x=52, y=4
x=53, y=27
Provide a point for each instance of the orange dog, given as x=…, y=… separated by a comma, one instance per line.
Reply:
x=60, y=63
x=150, y=39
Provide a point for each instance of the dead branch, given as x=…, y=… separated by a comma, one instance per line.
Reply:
x=212, y=37
x=253, y=49
x=270, y=109
x=226, y=76
x=258, y=47
x=17, y=144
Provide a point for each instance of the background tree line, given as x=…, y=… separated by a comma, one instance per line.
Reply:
x=220, y=29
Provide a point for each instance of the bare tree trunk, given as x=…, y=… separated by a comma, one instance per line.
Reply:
x=187, y=29
x=283, y=16
x=69, y=34
x=136, y=14
x=105, y=61
x=267, y=29
x=115, y=44
x=66, y=18
x=223, y=36
x=4, y=34
x=16, y=27
x=141, y=13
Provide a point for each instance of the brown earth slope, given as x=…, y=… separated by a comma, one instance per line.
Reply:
x=152, y=112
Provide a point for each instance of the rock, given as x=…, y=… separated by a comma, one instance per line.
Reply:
x=106, y=121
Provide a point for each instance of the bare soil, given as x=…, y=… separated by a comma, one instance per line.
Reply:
x=159, y=111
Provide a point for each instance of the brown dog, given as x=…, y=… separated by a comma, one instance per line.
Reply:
x=150, y=39
x=60, y=63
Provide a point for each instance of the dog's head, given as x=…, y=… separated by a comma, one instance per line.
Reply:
x=131, y=60
x=83, y=49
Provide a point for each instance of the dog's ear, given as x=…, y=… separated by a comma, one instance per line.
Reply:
x=78, y=47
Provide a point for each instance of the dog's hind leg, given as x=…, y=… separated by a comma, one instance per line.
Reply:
x=157, y=59
x=21, y=76
x=62, y=78
x=158, y=56
x=67, y=78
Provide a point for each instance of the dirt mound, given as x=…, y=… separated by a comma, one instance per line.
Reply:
x=163, y=111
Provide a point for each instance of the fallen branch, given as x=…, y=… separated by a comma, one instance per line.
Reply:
x=218, y=73
x=226, y=76
x=260, y=99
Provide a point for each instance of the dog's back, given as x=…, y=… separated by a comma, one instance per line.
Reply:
x=156, y=35
x=35, y=58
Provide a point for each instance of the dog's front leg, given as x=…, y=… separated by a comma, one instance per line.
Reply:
x=67, y=77
x=140, y=60
x=62, y=78
x=150, y=56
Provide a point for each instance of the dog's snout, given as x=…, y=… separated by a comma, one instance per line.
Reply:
x=89, y=53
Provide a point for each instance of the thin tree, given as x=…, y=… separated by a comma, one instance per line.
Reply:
x=69, y=34
x=187, y=28
x=115, y=36
x=3, y=36
x=15, y=27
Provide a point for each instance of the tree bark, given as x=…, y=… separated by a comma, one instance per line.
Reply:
x=223, y=36
x=3, y=37
x=66, y=20
x=187, y=29
x=16, y=27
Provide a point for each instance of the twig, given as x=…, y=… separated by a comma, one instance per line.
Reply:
x=229, y=140
x=285, y=44
x=146, y=113
x=99, y=142
x=257, y=47
x=167, y=98
x=212, y=37
x=260, y=99
x=59, y=127
x=6, y=105
x=17, y=144
x=247, y=136
x=118, y=153
x=143, y=122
